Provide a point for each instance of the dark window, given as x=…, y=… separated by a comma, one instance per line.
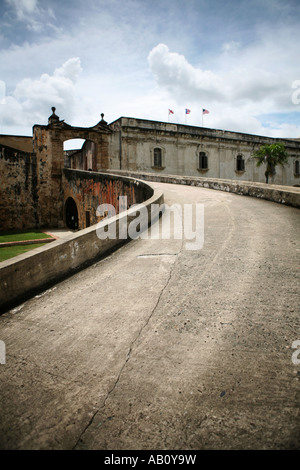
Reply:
x=297, y=168
x=157, y=157
x=203, y=161
x=240, y=163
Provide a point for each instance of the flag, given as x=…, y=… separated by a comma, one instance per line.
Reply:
x=171, y=111
x=187, y=111
x=205, y=111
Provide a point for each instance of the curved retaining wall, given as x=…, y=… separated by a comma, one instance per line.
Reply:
x=25, y=275
x=288, y=195
x=91, y=189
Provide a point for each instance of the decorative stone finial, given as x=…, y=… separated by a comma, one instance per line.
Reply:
x=102, y=120
x=53, y=117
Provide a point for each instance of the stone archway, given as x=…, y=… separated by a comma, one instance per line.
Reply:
x=71, y=214
x=50, y=162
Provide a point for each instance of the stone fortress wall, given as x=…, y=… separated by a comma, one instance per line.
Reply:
x=38, y=188
x=43, y=186
x=175, y=149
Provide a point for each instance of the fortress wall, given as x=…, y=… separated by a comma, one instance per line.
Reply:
x=133, y=141
x=288, y=195
x=18, y=201
x=91, y=189
x=26, y=275
x=19, y=142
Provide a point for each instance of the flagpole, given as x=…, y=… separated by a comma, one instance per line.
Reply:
x=204, y=111
x=187, y=111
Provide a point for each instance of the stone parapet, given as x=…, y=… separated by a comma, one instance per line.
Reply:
x=288, y=195
x=27, y=274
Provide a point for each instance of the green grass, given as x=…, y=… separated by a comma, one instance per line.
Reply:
x=21, y=235
x=11, y=251
x=17, y=236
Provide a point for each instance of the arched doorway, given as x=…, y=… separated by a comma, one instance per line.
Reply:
x=71, y=214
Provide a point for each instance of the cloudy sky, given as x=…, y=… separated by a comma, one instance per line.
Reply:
x=237, y=58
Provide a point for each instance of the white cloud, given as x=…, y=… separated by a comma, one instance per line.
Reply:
x=23, y=7
x=32, y=100
x=70, y=70
x=231, y=47
x=172, y=71
x=30, y=13
x=244, y=84
x=2, y=92
x=232, y=61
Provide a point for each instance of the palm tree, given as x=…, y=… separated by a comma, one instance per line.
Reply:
x=271, y=155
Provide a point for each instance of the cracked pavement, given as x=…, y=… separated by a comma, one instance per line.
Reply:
x=158, y=347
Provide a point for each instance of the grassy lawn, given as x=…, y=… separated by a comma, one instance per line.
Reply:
x=11, y=251
x=21, y=235
x=17, y=236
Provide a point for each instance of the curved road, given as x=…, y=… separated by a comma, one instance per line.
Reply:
x=160, y=347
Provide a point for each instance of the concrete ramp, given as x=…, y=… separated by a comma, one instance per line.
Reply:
x=162, y=347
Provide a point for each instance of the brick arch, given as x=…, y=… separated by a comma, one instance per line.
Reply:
x=71, y=214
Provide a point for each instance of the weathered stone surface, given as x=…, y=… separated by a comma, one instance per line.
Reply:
x=26, y=274
x=281, y=194
x=32, y=183
x=133, y=142
x=91, y=189
x=35, y=189
x=157, y=347
x=23, y=143
x=18, y=183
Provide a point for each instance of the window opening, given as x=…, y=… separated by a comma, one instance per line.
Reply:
x=240, y=163
x=203, y=161
x=157, y=157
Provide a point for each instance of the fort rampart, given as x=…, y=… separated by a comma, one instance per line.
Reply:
x=39, y=191
x=88, y=190
x=19, y=190
x=28, y=274
x=287, y=195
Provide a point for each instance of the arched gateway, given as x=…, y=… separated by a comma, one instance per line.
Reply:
x=71, y=214
x=48, y=142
